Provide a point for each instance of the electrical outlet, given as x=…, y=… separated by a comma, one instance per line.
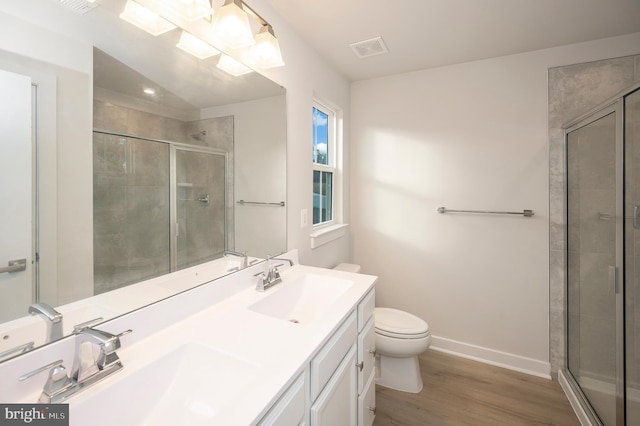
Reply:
x=304, y=218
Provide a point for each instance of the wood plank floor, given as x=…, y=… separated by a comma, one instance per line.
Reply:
x=458, y=391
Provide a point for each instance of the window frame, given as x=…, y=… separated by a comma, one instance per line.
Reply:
x=331, y=166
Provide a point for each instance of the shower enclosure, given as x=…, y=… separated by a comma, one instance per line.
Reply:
x=603, y=260
x=159, y=206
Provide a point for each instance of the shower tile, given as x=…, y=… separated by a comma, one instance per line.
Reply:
x=597, y=347
x=556, y=154
x=219, y=132
x=148, y=164
x=109, y=193
x=556, y=267
x=108, y=221
x=597, y=235
x=111, y=117
x=556, y=340
x=575, y=89
x=597, y=298
x=174, y=130
x=146, y=125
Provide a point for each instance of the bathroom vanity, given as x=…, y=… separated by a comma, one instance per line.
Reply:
x=301, y=352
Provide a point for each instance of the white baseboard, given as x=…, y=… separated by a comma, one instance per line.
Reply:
x=493, y=357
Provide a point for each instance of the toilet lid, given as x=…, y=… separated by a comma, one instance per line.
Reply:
x=391, y=322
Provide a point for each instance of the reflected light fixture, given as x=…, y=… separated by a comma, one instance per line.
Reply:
x=231, y=25
x=189, y=10
x=266, y=51
x=231, y=66
x=198, y=48
x=145, y=19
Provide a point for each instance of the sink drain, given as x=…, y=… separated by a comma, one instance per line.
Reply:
x=293, y=320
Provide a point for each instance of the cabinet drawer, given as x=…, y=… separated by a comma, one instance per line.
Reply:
x=325, y=363
x=365, y=309
x=367, y=403
x=290, y=408
x=366, y=353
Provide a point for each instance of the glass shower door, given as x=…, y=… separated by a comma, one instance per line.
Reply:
x=130, y=210
x=594, y=259
x=201, y=206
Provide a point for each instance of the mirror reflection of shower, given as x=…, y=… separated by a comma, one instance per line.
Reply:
x=160, y=203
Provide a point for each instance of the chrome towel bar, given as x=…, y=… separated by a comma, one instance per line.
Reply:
x=280, y=204
x=525, y=213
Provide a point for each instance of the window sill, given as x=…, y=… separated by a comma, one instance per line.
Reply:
x=327, y=234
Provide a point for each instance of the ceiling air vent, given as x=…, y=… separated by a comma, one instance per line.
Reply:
x=78, y=6
x=371, y=47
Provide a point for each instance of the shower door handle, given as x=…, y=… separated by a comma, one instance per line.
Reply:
x=636, y=210
x=613, y=279
x=14, y=266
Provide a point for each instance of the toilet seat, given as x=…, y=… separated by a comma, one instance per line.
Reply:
x=399, y=324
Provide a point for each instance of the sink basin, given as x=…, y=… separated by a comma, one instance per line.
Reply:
x=303, y=300
x=189, y=386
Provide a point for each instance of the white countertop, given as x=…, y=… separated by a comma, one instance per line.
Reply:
x=215, y=316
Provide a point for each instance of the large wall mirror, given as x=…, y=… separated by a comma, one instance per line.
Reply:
x=125, y=159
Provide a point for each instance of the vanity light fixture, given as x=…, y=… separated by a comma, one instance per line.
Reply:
x=149, y=91
x=231, y=25
x=145, y=19
x=266, y=51
x=198, y=48
x=231, y=66
x=230, y=29
x=189, y=10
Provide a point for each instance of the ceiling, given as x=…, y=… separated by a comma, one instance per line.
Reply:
x=422, y=34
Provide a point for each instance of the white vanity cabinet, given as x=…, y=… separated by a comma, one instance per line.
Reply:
x=334, y=384
x=340, y=379
x=343, y=392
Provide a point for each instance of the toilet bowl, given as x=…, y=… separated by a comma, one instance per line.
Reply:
x=400, y=337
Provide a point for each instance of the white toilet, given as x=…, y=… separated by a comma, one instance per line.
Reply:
x=400, y=338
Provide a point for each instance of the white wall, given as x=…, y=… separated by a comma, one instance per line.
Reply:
x=304, y=74
x=468, y=136
x=259, y=171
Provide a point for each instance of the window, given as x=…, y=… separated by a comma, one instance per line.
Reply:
x=324, y=164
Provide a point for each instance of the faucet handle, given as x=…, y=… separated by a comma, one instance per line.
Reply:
x=57, y=382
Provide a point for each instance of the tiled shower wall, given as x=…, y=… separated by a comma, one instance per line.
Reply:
x=573, y=90
x=131, y=200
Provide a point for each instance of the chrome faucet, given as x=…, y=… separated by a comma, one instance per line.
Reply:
x=271, y=274
x=52, y=317
x=60, y=386
x=241, y=255
x=107, y=361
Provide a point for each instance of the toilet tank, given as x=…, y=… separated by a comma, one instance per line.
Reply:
x=347, y=267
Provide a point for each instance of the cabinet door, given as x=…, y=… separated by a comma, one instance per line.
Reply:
x=366, y=353
x=367, y=403
x=338, y=403
x=290, y=408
